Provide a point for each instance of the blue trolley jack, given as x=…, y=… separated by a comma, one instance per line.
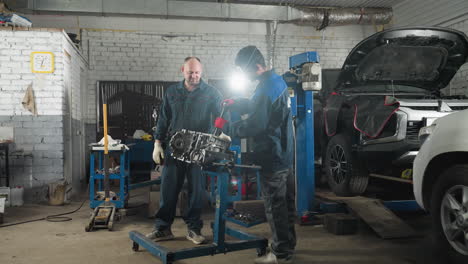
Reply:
x=220, y=230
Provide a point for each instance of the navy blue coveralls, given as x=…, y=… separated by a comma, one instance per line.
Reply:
x=269, y=124
x=196, y=111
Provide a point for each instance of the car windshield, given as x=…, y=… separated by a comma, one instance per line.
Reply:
x=387, y=88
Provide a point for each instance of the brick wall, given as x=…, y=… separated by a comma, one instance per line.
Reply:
x=117, y=55
x=38, y=151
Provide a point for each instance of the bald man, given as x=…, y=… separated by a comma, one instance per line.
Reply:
x=190, y=104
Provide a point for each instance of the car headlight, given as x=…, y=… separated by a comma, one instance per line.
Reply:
x=425, y=132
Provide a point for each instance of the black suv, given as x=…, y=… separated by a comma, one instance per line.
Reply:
x=369, y=113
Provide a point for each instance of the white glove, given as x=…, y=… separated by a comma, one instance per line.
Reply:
x=224, y=137
x=158, y=152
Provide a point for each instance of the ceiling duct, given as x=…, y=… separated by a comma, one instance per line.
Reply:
x=323, y=17
x=318, y=17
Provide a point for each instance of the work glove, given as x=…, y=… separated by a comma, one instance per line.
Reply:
x=224, y=137
x=220, y=122
x=228, y=102
x=158, y=152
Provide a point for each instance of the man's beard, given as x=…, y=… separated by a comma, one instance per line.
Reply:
x=193, y=82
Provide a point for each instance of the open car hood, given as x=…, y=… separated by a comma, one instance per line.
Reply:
x=424, y=57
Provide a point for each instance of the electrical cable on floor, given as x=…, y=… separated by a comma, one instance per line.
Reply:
x=50, y=218
x=60, y=217
x=53, y=218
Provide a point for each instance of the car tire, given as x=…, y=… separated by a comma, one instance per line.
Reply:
x=346, y=175
x=451, y=183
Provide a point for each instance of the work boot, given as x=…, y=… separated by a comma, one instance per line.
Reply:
x=271, y=258
x=160, y=235
x=196, y=237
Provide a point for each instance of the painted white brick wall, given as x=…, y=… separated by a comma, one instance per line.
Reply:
x=16, y=73
x=40, y=137
x=148, y=56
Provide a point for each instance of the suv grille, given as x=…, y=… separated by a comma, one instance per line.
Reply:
x=459, y=108
x=412, y=130
x=435, y=108
x=423, y=108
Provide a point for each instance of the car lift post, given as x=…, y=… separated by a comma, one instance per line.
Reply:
x=302, y=107
x=220, y=230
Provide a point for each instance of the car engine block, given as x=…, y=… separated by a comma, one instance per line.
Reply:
x=199, y=148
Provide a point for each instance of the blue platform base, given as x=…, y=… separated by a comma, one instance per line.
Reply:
x=220, y=230
x=168, y=256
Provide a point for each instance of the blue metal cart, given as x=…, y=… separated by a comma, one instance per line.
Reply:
x=97, y=176
x=123, y=175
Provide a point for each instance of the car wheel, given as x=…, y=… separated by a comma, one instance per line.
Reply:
x=346, y=175
x=449, y=209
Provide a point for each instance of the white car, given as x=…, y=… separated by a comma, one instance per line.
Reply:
x=440, y=178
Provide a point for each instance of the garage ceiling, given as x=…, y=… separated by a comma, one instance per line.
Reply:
x=233, y=10
x=325, y=3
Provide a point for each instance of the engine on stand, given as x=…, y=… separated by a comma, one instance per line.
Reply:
x=199, y=148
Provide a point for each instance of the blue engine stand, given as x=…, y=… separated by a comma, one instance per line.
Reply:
x=237, y=175
x=220, y=230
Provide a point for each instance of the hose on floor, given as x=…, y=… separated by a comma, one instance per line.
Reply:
x=50, y=218
x=53, y=218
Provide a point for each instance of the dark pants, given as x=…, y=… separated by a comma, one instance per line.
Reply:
x=278, y=189
x=172, y=180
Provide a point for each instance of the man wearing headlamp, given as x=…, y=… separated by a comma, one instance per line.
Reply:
x=269, y=124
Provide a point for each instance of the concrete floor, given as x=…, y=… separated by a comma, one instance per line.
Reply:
x=67, y=242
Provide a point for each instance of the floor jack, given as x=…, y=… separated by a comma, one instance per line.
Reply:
x=104, y=214
x=220, y=230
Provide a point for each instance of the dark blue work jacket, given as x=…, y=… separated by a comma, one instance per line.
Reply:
x=269, y=123
x=181, y=109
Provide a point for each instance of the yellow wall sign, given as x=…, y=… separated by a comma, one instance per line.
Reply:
x=42, y=62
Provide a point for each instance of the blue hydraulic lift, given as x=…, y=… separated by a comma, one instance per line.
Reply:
x=302, y=107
